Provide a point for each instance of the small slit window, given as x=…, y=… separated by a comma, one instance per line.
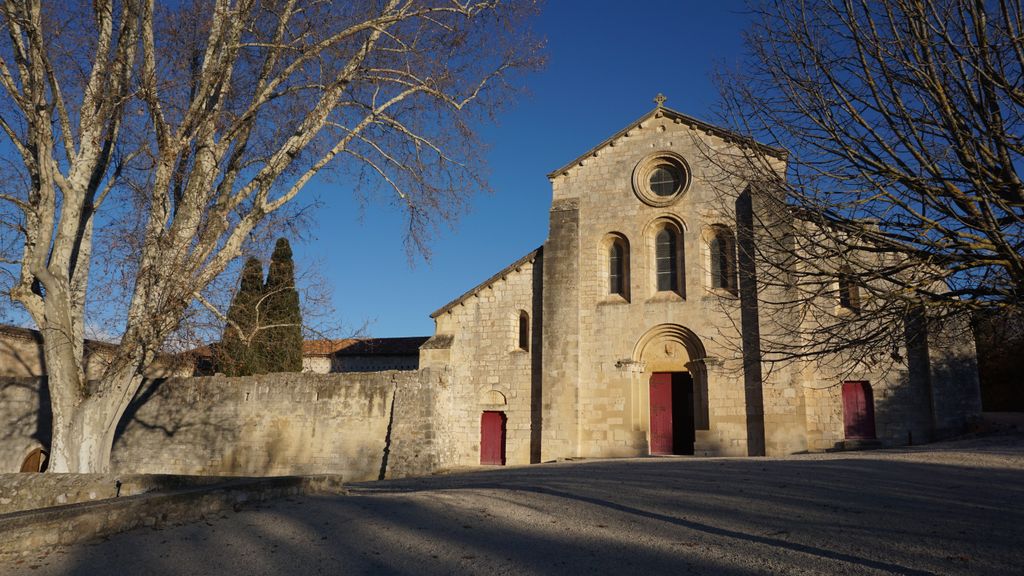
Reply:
x=614, y=255
x=616, y=269
x=666, y=262
x=524, y=330
x=722, y=254
x=615, y=276
x=849, y=294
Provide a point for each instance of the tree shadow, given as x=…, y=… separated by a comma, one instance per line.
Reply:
x=673, y=515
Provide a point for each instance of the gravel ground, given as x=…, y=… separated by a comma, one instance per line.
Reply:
x=951, y=508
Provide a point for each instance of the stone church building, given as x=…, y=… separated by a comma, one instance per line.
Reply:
x=634, y=330
x=625, y=333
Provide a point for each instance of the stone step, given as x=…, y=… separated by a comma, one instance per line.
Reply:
x=859, y=444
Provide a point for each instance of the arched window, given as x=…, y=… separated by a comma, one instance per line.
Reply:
x=614, y=250
x=666, y=260
x=849, y=294
x=722, y=256
x=524, y=330
x=616, y=269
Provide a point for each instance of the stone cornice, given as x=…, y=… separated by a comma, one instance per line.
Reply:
x=660, y=111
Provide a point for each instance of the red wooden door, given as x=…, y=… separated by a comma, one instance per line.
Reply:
x=661, y=413
x=492, y=438
x=858, y=410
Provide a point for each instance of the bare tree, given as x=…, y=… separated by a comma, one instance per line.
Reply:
x=900, y=195
x=170, y=134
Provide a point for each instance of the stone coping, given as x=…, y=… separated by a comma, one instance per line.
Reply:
x=33, y=530
x=32, y=491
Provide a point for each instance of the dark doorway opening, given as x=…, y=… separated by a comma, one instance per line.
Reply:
x=858, y=411
x=672, y=424
x=492, y=438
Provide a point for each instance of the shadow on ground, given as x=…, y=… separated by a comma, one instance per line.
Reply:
x=834, y=515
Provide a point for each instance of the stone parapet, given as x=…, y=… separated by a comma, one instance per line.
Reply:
x=33, y=530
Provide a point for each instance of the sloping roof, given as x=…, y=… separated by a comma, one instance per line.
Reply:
x=685, y=119
x=326, y=347
x=22, y=333
x=37, y=337
x=404, y=346
x=438, y=342
x=504, y=272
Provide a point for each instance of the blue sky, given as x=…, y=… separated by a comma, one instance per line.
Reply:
x=606, y=62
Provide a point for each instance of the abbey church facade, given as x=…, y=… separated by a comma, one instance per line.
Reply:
x=633, y=330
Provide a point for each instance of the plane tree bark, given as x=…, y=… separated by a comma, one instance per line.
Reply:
x=182, y=129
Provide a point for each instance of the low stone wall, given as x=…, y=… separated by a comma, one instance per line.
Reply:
x=33, y=530
x=268, y=425
x=1002, y=421
x=34, y=491
x=419, y=438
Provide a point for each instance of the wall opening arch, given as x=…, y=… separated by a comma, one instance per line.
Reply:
x=615, y=265
x=666, y=255
x=523, y=330
x=672, y=389
x=492, y=397
x=849, y=293
x=720, y=258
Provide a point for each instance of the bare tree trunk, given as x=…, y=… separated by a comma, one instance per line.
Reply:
x=82, y=437
x=195, y=124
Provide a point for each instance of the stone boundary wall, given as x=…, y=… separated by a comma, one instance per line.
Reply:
x=34, y=491
x=268, y=425
x=419, y=439
x=33, y=530
x=23, y=425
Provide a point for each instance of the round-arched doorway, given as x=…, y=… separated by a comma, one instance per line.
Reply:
x=673, y=387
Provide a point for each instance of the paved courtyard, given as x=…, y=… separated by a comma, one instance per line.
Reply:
x=955, y=508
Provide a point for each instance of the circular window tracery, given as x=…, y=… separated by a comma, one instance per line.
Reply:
x=665, y=180
x=661, y=178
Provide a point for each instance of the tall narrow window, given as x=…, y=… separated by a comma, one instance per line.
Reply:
x=524, y=331
x=849, y=295
x=723, y=260
x=616, y=276
x=665, y=260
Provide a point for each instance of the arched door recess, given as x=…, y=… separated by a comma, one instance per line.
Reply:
x=673, y=388
x=36, y=461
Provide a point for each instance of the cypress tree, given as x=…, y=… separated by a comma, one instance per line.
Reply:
x=282, y=344
x=239, y=355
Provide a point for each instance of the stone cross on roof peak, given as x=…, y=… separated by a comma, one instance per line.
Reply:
x=660, y=99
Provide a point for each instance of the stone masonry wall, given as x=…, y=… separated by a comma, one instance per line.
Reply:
x=488, y=369
x=21, y=356
x=613, y=386
x=23, y=426
x=560, y=396
x=956, y=392
x=419, y=439
x=34, y=491
x=269, y=425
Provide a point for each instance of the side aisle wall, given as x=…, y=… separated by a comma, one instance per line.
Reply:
x=484, y=367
